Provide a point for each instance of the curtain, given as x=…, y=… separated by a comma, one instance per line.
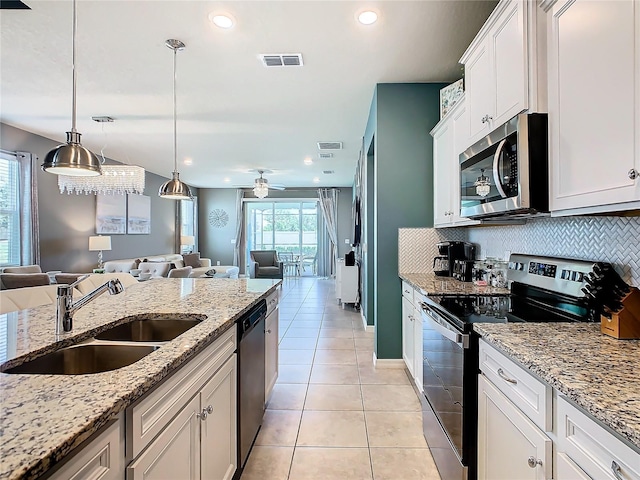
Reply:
x=329, y=208
x=239, y=221
x=29, y=222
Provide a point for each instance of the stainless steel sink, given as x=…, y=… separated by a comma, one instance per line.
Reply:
x=151, y=329
x=85, y=358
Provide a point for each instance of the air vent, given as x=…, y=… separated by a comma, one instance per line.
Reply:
x=282, y=60
x=103, y=119
x=329, y=145
x=325, y=155
x=328, y=172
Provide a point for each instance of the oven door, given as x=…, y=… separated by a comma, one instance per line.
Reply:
x=445, y=352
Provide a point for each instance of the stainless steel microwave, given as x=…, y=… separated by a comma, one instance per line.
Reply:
x=507, y=172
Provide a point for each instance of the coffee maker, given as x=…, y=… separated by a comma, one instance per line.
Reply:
x=444, y=264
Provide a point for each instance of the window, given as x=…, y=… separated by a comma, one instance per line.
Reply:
x=9, y=210
x=287, y=227
x=189, y=220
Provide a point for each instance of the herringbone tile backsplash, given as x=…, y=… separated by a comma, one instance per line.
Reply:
x=609, y=239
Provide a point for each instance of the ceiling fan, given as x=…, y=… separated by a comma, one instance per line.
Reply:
x=261, y=185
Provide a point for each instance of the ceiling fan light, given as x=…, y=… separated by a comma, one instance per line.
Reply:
x=175, y=189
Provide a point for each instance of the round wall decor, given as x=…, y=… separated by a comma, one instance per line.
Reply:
x=218, y=218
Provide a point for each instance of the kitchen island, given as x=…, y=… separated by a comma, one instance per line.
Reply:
x=44, y=417
x=596, y=372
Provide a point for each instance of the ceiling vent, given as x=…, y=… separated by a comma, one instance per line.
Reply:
x=103, y=119
x=329, y=145
x=282, y=60
x=325, y=155
x=328, y=172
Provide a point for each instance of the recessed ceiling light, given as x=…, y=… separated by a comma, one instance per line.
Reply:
x=188, y=161
x=222, y=21
x=316, y=180
x=308, y=161
x=227, y=179
x=367, y=17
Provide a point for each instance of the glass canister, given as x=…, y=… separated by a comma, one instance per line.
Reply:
x=498, y=274
x=479, y=273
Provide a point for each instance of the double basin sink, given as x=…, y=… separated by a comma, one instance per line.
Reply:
x=113, y=348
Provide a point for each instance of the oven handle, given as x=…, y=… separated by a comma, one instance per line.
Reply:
x=462, y=339
x=496, y=172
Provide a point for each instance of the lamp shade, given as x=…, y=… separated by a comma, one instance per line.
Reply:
x=175, y=189
x=187, y=240
x=99, y=242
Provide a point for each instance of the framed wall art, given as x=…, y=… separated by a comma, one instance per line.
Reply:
x=111, y=214
x=450, y=95
x=138, y=214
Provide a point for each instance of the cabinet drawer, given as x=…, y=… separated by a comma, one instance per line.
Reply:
x=531, y=395
x=566, y=469
x=149, y=416
x=102, y=458
x=599, y=453
x=408, y=292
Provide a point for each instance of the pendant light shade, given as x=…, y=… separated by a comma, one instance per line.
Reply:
x=175, y=189
x=72, y=158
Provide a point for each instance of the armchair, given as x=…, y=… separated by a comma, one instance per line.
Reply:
x=265, y=264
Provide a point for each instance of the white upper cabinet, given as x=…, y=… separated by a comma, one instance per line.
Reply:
x=502, y=67
x=594, y=105
x=449, y=140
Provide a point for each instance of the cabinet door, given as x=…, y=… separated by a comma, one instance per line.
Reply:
x=480, y=91
x=508, y=50
x=594, y=103
x=460, y=119
x=218, y=437
x=566, y=469
x=442, y=181
x=408, y=335
x=417, y=349
x=509, y=444
x=271, y=353
x=175, y=453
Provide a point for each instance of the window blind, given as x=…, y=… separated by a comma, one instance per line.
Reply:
x=9, y=210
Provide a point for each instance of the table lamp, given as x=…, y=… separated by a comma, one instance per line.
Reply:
x=187, y=240
x=99, y=243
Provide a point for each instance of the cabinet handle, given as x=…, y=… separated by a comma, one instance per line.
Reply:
x=615, y=468
x=507, y=379
x=633, y=174
x=487, y=119
x=209, y=409
x=407, y=291
x=534, y=462
x=268, y=331
x=202, y=415
x=411, y=318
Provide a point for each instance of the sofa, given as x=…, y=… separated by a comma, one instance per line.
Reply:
x=175, y=259
x=23, y=276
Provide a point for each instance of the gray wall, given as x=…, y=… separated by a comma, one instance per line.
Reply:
x=403, y=195
x=67, y=221
x=216, y=243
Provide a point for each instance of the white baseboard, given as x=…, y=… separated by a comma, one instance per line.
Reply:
x=387, y=362
x=367, y=328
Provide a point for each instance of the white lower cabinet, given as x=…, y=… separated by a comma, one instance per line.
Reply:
x=176, y=451
x=566, y=469
x=271, y=345
x=417, y=349
x=510, y=445
x=187, y=427
x=101, y=459
x=408, y=335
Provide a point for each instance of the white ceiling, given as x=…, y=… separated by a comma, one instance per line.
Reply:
x=233, y=114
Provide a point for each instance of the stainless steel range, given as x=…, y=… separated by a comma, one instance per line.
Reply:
x=542, y=289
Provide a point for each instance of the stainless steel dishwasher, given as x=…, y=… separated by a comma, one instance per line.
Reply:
x=251, y=384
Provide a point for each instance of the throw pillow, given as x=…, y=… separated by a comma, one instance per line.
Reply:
x=210, y=273
x=192, y=260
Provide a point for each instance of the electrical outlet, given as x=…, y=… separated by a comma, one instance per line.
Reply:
x=347, y=241
x=233, y=240
x=217, y=262
x=507, y=254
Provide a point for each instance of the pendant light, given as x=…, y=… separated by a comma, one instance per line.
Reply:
x=72, y=158
x=261, y=186
x=175, y=189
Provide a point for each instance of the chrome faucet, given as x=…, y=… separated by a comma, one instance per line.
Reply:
x=65, y=307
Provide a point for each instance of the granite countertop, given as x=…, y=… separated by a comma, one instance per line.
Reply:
x=597, y=372
x=43, y=417
x=431, y=284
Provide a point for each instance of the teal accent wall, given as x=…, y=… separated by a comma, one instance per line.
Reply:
x=400, y=119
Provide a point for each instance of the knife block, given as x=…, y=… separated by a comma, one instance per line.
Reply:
x=624, y=323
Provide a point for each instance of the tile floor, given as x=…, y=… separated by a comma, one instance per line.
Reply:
x=333, y=415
